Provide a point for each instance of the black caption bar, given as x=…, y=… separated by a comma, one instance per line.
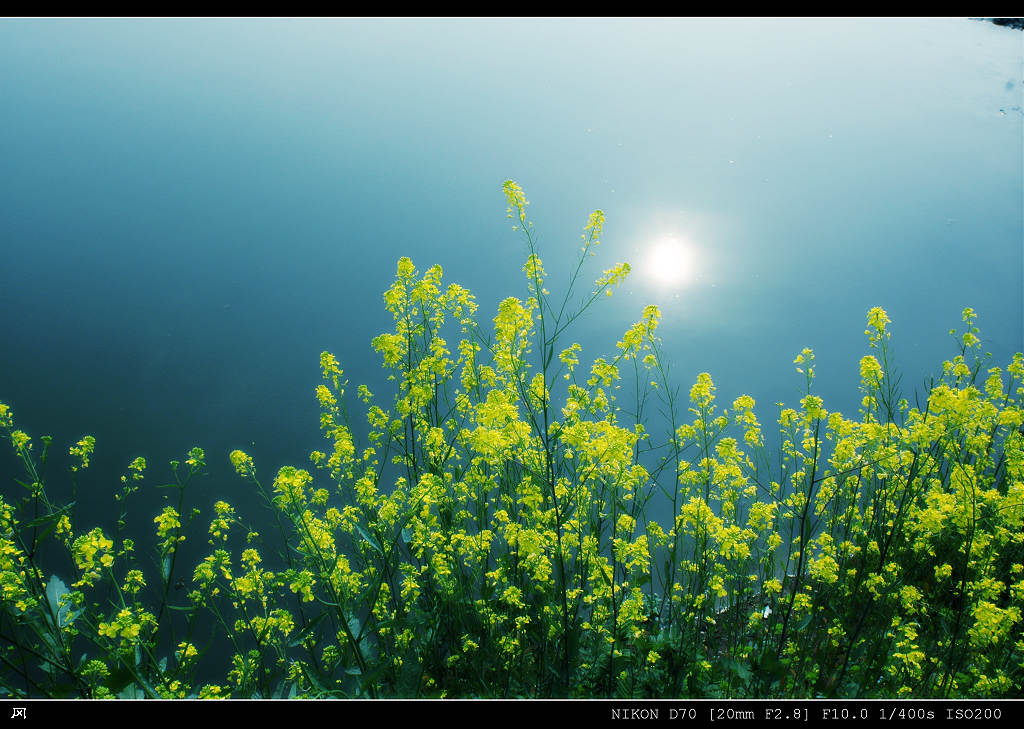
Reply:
x=22, y=713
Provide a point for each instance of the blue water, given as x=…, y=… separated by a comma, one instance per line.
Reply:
x=191, y=211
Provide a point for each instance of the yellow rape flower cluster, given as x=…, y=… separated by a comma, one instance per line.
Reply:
x=14, y=588
x=83, y=450
x=92, y=554
x=129, y=626
x=242, y=463
x=168, y=523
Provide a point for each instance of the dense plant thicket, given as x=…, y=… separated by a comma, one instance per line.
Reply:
x=494, y=535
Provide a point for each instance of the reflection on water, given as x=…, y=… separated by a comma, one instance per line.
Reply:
x=670, y=262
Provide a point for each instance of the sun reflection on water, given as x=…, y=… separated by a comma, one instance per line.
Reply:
x=670, y=262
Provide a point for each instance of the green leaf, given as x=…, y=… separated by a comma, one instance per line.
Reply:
x=307, y=631
x=63, y=615
x=55, y=589
x=312, y=678
x=771, y=665
x=354, y=625
x=63, y=691
x=370, y=679
x=118, y=679
x=132, y=691
x=370, y=540
x=740, y=669
x=48, y=519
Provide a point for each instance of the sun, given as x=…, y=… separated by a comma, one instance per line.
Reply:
x=669, y=262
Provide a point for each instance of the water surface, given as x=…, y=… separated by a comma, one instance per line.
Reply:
x=191, y=211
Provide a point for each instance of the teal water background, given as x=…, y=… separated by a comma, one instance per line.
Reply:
x=192, y=210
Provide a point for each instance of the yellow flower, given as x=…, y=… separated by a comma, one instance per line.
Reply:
x=613, y=277
x=992, y=624
x=702, y=392
x=870, y=370
x=134, y=582
x=211, y=691
x=137, y=467
x=20, y=440
x=877, y=319
x=91, y=551
x=516, y=198
x=329, y=363
x=242, y=462
x=167, y=521
x=196, y=458
x=303, y=585
x=83, y=449
x=513, y=597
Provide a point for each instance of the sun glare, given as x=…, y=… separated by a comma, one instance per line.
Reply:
x=669, y=262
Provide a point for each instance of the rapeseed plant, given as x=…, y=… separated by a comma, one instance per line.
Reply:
x=494, y=532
